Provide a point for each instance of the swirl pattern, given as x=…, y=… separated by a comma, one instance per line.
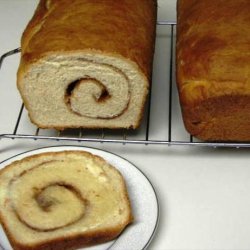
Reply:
x=104, y=97
x=88, y=90
x=56, y=195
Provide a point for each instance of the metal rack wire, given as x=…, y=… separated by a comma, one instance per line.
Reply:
x=122, y=136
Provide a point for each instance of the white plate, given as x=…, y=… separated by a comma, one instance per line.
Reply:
x=142, y=195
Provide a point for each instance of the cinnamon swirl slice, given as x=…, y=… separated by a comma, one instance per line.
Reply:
x=62, y=200
x=87, y=63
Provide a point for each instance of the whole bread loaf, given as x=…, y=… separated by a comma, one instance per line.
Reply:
x=87, y=63
x=62, y=200
x=213, y=68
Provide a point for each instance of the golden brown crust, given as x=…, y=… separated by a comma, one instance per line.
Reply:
x=126, y=28
x=76, y=240
x=61, y=243
x=213, y=68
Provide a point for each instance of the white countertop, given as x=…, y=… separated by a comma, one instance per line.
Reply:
x=203, y=192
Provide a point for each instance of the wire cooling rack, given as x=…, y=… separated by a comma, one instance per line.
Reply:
x=162, y=124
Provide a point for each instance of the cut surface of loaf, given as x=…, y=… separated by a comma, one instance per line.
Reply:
x=62, y=200
x=213, y=68
x=87, y=63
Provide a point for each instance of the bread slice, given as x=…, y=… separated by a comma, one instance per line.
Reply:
x=87, y=63
x=62, y=200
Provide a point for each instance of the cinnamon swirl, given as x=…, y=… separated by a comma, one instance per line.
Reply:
x=62, y=200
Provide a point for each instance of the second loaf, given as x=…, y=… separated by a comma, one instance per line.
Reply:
x=213, y=68
x=87, y=63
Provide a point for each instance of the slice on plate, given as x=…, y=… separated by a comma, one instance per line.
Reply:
x=62, y=200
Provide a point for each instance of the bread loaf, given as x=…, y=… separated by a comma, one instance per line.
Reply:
x=87, y=63
x=213, y=68
x=62, y=200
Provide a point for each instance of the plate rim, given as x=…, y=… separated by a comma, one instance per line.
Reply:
x=106, y=151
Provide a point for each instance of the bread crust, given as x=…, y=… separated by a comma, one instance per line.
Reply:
x=127, y=29
x=76, y=240
x=72, y=242
x=213, y=68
